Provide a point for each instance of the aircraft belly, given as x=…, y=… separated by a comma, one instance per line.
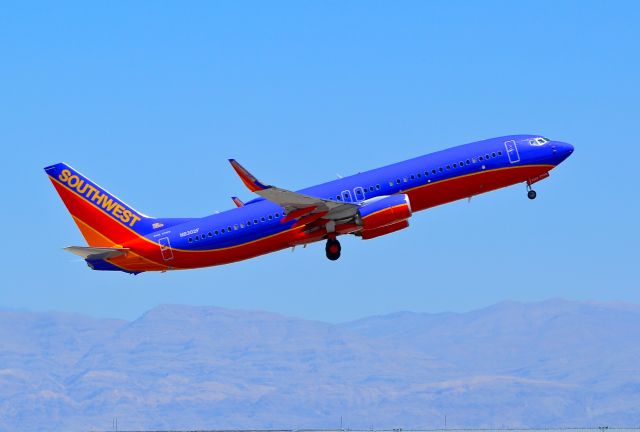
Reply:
x=445, y=191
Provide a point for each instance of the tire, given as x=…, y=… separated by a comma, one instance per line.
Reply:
x=333, y=249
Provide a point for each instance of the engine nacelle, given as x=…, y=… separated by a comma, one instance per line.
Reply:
x=377, y=232
x=383, y=212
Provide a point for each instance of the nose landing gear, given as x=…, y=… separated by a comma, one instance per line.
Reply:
x=333, y=249
x=531, y=194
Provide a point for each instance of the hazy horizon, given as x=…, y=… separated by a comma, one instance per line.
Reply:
x=615, y=304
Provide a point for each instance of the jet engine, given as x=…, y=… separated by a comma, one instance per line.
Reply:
x=384, y=215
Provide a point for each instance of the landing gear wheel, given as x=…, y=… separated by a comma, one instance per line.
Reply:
x=333, y=249
x=532, y=194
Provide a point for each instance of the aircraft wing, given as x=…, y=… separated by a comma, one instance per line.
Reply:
x=96, y=253
x=298, y=206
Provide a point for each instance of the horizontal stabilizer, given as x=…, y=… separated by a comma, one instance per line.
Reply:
x=96, y=253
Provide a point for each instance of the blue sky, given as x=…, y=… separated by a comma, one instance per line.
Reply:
x=149, y=99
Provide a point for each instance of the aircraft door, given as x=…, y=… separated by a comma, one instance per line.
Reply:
x=165, y=248
x=346, y=196
x=512, y=151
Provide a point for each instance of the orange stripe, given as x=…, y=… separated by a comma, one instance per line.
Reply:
x=89, y=227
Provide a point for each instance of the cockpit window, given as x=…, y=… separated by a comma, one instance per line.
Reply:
x=538, y=141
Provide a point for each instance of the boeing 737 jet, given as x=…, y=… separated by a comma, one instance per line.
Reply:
x=368, y=205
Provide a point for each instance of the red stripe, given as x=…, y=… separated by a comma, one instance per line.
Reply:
x=92, y=216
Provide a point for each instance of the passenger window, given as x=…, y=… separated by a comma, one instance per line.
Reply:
x=248, y=223
x=190, y=240
x=493, y=154
x=196, y=238
x=398, y=181
x=270, y=217
x=455, y=165
x=216, y=232
x=480, y=158
x=277, y=215
x=241, y=225
x=203, y=236
x=405, y=179
x=468, y=162
x=486, y=156
x=229, y=228
x=413, y=177
x=433, y=171
x=370, y=188
x=262, y=219
x=426, y=173
x=378, y=187
x=499, y=153
x=440, y=169
x=210, y=234
x=255, y=221
x=461, y=164
x=419, y=175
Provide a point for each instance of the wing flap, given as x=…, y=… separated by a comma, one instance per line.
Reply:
x=308, y=219
x=295, y=214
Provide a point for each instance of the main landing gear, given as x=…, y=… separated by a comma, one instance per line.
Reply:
x=531, y=194
x=333, y=249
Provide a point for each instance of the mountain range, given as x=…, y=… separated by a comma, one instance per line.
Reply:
x=553, y=363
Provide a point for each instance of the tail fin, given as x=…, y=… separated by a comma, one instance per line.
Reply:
x=103, y=219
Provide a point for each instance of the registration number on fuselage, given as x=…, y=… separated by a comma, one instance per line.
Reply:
x=186, y=233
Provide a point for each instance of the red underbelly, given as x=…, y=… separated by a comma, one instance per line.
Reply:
x=445, y=191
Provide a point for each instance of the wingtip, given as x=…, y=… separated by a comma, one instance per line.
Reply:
x=237, y=201
x=252, y=183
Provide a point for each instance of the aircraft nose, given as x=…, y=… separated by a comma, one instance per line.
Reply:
x=562, y=149
x=567, y=148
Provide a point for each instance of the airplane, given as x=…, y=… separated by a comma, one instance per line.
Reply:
x=368, y=205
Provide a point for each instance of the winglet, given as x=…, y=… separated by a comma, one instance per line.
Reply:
x=237, y=201
x=247, y=178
